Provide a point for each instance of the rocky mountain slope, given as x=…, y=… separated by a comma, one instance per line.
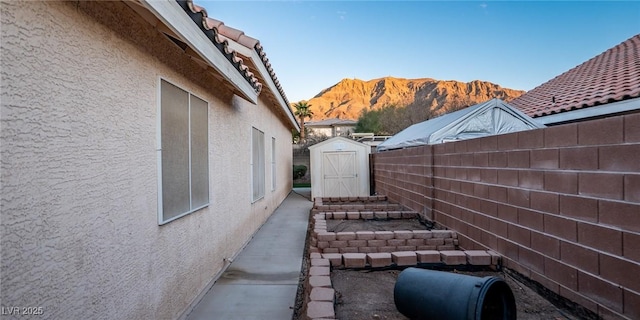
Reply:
x=349, y=97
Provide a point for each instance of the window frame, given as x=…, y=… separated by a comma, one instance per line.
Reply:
x=159, y=151
x=261, y=167
x=273, y=164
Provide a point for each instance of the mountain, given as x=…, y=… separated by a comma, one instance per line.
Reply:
x=349, y=97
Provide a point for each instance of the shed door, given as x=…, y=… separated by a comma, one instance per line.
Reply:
x=340, y=175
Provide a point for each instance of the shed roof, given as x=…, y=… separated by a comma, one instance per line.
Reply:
x=489, y=118
x=339, y=140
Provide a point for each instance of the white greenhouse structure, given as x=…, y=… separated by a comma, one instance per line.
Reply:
x=485, y=119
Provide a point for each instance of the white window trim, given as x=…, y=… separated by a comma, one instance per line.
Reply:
x=161, y=221
x=252, y=167
x=273, y=164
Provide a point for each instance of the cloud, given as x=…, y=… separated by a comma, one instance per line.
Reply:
x=342, y=14
x=483, y=5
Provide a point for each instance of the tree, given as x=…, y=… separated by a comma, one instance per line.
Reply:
x=369, y=121
x=303, y=111
x=391, y=119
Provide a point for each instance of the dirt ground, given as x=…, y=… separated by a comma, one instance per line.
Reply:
x=369, y=295
x=375, y=225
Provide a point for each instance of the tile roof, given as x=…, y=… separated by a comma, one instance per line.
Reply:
x=252, y=44
x=612, y=76
x=219, y=28
x=210, y=28
x=332, y=122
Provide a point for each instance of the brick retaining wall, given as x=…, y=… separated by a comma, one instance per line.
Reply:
x=374, y=249
x=562, y=204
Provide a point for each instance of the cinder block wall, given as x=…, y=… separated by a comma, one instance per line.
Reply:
x=406, y=176
x=562, y=204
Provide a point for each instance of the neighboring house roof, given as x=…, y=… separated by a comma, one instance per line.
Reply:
x=484, y=119
x=612, y=76
x=335, y=122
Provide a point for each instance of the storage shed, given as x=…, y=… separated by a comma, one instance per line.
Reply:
x=484, y=119
x=339, y=168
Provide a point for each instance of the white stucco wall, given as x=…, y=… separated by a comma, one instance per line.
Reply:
x=78, y=167
x=321, y=131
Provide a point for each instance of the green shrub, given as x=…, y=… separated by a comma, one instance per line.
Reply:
x=299, y=171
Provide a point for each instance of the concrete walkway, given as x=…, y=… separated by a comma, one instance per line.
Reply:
x=261, y=283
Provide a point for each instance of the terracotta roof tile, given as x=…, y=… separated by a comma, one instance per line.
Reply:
x=231, y=33
x=247, y=41
x=211, y=29
x=238, y=36
x=254, y=44
x=213, y=23
x=612, y=76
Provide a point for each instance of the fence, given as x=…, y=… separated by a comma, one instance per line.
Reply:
x=562, y=204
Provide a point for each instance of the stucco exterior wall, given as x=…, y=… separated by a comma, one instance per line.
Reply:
x=78, y=133
x=336, y=131
x=321, y=131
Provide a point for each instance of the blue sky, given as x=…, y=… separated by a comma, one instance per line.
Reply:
x=314, y=44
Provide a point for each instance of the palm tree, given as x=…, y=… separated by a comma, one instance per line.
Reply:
x=303, y=111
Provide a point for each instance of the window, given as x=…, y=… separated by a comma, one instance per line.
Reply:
x=257, y=164
x=183, y=156
x=273, y=163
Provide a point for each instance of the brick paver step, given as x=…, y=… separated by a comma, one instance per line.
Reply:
x=404, y=258
x=322, y=294
x=478, y=257
x=453, y=257
x=320, y=309
x=428, y=256
x=354, y=260
x=380, y=259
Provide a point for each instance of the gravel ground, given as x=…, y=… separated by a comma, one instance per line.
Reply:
x=369, y=295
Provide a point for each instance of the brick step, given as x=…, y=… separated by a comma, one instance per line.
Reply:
x=412, y=258
x=370, y=214
x=339, y=200
x=322, y=235
x=357, y=207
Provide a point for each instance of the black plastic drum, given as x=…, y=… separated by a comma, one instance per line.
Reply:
x=437, y=295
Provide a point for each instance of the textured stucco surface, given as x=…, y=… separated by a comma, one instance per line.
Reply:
x=78, y=130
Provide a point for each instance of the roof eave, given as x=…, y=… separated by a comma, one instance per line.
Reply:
x=273, y=88
x=172, y=16
x=591, y=112
x=259, y=65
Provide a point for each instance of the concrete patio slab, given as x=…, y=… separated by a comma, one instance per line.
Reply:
x=232, y=301
x=262, y=281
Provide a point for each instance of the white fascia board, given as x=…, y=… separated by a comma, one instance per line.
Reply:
x=590, y=112
x=242, y=50
x=173, y=16
x=257, y=61
x=272, y=86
